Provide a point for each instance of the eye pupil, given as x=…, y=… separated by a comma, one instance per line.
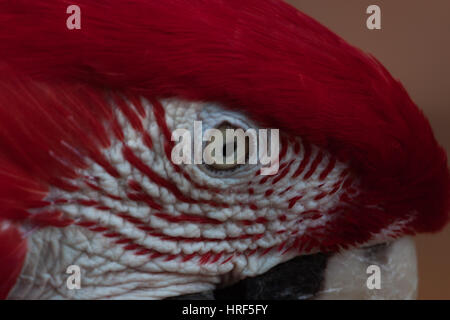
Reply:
x=228, y=150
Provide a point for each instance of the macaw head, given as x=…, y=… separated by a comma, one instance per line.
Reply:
x=86, y=118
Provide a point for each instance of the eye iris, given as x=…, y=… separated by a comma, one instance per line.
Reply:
x=229, y=149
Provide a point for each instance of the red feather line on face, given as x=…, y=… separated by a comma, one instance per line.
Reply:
x=259, y=56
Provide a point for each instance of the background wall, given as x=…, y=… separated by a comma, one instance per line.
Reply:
x=414, y=45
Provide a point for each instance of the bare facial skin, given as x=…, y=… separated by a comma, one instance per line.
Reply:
x=154, y=233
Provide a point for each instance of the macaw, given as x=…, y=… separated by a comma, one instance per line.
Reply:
x=86, y=176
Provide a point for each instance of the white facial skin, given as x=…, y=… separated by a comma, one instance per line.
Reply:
x=131, y=250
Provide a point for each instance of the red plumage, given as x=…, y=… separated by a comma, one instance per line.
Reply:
x=261, y=57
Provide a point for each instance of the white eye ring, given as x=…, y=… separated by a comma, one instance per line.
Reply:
x=213, y=117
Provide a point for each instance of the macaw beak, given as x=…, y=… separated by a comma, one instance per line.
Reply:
x=382, y=271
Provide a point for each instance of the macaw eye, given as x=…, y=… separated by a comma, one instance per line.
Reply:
x=231, y=153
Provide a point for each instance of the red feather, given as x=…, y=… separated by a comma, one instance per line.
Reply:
x=13, y=249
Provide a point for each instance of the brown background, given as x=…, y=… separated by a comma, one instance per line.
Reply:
x=414, y=45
